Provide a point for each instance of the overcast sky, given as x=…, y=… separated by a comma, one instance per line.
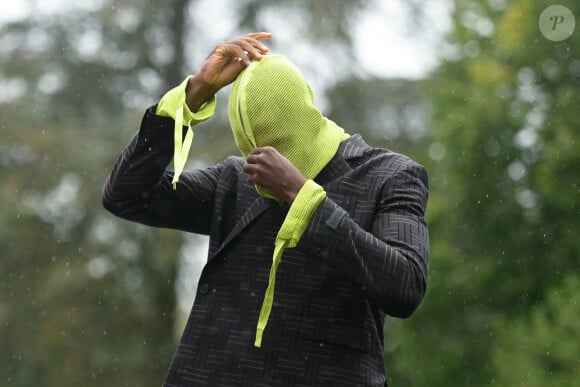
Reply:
x=386, y=41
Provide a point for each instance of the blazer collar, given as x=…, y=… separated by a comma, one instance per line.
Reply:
x=345, y=156
x=347, y=152
x=353, y=147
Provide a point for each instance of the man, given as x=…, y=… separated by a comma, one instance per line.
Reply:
x=314, y=235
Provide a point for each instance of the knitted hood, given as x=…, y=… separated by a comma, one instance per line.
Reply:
x=271, y=104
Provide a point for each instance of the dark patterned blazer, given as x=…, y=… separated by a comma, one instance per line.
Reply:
x=363, y=255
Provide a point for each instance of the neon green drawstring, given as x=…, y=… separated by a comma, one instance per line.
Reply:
x=173, y=105
x=181, y=147
x=295, y=223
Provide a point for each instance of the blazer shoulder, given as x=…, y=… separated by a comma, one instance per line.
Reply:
x=388, y=160
x=357, y=151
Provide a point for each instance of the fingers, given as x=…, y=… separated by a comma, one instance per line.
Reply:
x=255, y=160
x=269, y=169
x=251, y=49
x=252, y=170
x=261, y=153
x=246, y=48
x=256, y=38
x=229, y=50
x=260, y=35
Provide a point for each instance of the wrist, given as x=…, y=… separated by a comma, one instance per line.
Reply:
x=197, y=93
x=295, y=189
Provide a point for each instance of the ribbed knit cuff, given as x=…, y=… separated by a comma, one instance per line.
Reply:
x=173, y=105
x=175, y=98
x=301, y=211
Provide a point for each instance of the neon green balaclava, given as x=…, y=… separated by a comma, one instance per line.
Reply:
x=271, y=104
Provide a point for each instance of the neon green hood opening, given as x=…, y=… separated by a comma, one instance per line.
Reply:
x=271, y=104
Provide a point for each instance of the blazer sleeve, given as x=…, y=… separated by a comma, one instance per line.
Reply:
x=390, y=262
x=139, y=187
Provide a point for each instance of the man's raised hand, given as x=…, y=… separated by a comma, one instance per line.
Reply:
x=223, y=65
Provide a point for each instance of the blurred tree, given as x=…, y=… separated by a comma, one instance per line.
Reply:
x=389, y=113
x=85, y=299
x=540, y=349
x=504, y=205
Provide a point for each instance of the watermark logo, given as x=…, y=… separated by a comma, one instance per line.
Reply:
x=557, y=23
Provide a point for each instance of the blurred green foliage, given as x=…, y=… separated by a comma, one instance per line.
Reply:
x=87, y=299
x=504, y=209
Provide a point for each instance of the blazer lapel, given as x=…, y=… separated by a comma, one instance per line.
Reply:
x=259, y=205
x=338, y=166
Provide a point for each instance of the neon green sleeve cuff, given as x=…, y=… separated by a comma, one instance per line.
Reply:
x=173, y=105
x=301, y=211
x=175, y=99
